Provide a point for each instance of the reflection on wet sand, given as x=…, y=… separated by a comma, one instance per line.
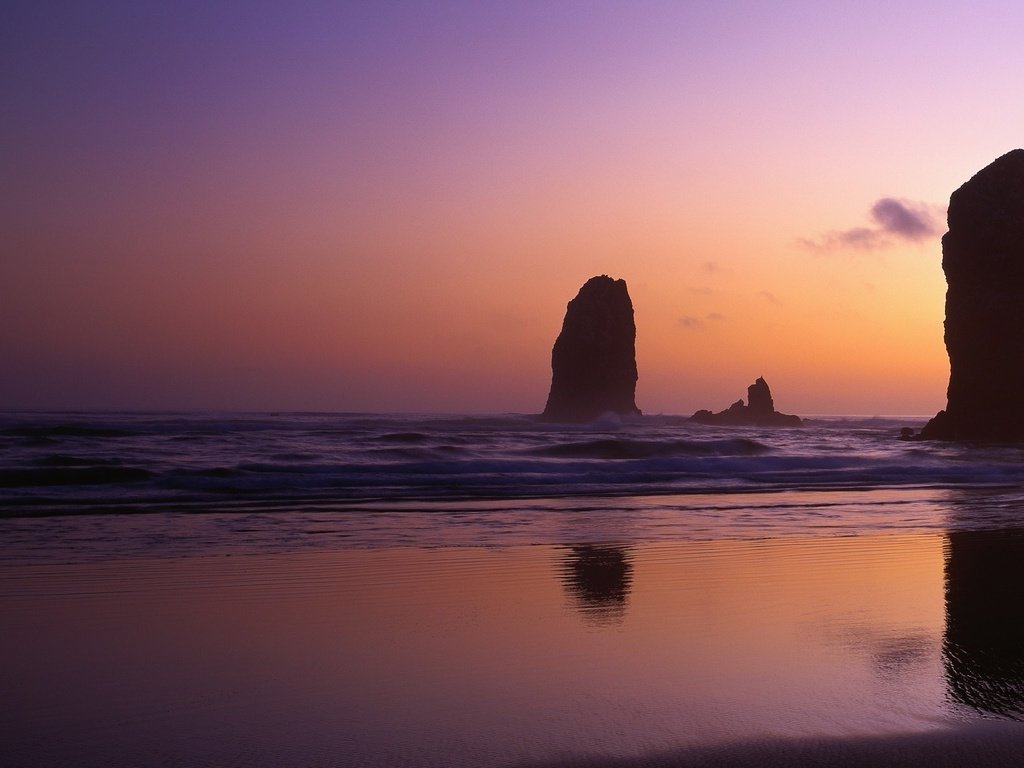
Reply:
x=990, y=744
x=598, y=577
x=476, y=656
x=983, y=650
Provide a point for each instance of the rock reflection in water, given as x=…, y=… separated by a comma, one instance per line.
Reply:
x=984, y=643
x=598, y=577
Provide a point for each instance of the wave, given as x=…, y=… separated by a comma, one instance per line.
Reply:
x=65, y=430
x=403, y=437
x=616, y=448
x=70, y=476
x=125, y=462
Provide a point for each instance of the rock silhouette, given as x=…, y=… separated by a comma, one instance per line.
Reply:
x=984, y=638
x=593, y=362
x=599, y=577
x=760, y=411
x=983, y=258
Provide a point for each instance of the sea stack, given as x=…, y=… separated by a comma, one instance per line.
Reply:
x=759, y=411
x=593, y=362
x=983, y=258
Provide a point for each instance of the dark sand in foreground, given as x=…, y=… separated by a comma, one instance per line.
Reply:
x=978, y=745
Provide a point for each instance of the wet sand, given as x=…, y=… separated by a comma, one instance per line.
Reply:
x=978, y=745
x=806, y=650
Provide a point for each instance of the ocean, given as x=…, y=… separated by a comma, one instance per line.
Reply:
x=350, y=464
x=434, y=590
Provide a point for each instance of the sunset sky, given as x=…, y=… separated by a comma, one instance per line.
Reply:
x=386, y=206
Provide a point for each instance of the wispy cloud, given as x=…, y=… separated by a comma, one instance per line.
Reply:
x=894, y=219
x=691, y=323
x=770, y=298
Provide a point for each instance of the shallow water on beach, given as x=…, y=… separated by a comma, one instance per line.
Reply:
x=467, y=655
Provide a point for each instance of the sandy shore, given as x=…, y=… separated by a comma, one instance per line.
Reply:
x=678, y=653
x=977, y=745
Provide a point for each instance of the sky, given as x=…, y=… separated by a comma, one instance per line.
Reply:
x=385, y=206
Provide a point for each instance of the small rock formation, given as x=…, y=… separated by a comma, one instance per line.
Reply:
x=760, y=412
x=983, y=258
x=593, y=362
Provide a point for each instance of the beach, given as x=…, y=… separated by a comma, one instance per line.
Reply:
x=798, y=624
x=725, y=652
x=511, y=385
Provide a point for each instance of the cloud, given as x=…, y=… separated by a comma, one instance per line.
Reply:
x=770, y=297
x=859, y=237
x=893, y=219
x=691, y=323
x=912, y=221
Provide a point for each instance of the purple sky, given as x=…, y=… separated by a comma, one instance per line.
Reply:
x=386, y=206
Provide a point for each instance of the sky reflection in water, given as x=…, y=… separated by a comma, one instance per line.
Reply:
x=442, y=656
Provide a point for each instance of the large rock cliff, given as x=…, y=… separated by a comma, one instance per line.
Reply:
x=983, y=258
x=593, y=362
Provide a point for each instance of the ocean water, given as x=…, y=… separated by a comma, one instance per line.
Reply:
x=267, y=481
x=390, y=590
x=73, y=463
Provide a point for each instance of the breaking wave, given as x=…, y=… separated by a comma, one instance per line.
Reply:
x=73, y=463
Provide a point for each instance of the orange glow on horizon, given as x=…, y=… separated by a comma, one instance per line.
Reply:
x=390, y=212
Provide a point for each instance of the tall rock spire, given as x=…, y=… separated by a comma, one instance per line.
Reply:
x=593, y=362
